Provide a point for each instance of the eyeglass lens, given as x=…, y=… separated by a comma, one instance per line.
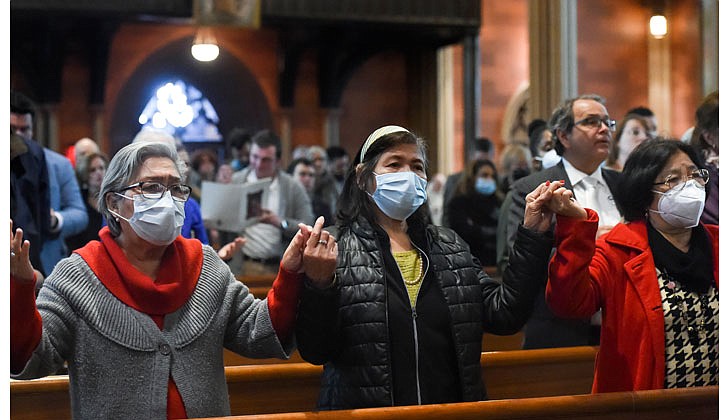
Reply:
x=155, y=190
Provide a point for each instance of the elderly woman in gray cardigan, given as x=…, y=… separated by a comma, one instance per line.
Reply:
x=142, y=316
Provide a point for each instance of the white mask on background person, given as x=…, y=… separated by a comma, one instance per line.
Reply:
x=682, y=207
x=158, y=222
x=549, y=159
x=399, y=194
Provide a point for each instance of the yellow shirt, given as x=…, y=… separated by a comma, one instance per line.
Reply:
x=410, y=265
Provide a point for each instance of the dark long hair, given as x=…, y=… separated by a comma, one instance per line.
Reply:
x=634, y=193
x=354, y=201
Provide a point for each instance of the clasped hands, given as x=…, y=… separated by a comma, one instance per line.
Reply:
x=312, y=251
x=547, y=199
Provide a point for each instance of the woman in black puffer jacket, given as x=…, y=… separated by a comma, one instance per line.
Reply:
x=402, y=323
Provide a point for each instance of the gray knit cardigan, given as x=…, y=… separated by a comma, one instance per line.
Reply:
x=119, y=361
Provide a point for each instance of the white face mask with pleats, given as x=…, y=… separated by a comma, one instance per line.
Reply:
x=159, y=221
x=682, y=205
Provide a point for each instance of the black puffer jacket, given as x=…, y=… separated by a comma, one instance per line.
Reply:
x=347, y=327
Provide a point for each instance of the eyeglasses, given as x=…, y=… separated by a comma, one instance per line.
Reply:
x=154, y=190
x=596, y=122
x=700, y=176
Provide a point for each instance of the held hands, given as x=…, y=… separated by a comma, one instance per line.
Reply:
x=547, y=199
x=20, y=267
x=312, y=251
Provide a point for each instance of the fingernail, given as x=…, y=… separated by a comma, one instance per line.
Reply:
x=548, y=183
x=562, y=181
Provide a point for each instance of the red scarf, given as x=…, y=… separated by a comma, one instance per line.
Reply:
x=175, y=282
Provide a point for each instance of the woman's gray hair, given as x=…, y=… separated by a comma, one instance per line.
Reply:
x=123, y=170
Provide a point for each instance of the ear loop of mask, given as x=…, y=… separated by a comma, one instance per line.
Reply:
x=118, y=216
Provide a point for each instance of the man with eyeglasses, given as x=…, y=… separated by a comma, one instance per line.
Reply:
x=581, y=131
x=67, y=210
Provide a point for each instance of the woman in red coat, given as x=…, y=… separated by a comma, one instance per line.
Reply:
x=654, y=276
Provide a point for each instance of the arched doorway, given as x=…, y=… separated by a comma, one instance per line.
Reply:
x=226, y=82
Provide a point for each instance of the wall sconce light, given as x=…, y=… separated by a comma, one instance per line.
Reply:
x=204, y=47
x=658, y=26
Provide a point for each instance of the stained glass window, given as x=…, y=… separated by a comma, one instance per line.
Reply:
x=181, y=110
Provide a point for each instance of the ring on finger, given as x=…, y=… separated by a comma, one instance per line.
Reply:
x=321, y=242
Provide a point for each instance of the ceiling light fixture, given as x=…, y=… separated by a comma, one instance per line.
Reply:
x=204, y=47
x=658, y=26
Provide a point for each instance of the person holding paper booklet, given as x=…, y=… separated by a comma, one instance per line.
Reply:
x=141, y=316
x=285, y=204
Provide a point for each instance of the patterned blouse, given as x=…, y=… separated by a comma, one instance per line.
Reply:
x=691, y=334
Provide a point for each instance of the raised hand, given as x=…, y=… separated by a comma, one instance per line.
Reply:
x=312, y=251
x=319, y=256
x=20, y=267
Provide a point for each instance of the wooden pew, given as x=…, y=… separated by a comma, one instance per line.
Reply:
x=292, y=387
x=672, y=404
x=258, y=284
x=538, y=373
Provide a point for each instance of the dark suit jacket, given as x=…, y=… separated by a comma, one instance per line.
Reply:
x=544, y=330
x=30, y=201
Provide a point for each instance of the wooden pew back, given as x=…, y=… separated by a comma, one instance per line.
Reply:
x=289, y=387
x=672, y=404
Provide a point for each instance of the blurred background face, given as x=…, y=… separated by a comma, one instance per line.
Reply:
x=224, y=174
x=85, y=147
x=485, y=172
x=242, y=154
x=319, y=162
x=634, y=133
x=545, y=144
x=339, y=166
x=96, y=172
x=207, y=168
x=263, y=160
x=305, y=175
x=22, y=125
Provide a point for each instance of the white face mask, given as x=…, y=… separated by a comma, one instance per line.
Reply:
x=551, y=158
x=682, y=208
x=158, y=222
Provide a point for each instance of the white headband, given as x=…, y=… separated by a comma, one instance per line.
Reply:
x=377, y=134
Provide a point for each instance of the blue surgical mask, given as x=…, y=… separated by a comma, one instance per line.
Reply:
x=399, y=194
x=159, y=221
x=237, y=165
x=485, y=186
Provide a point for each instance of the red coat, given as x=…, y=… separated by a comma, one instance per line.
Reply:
x=616, y=274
